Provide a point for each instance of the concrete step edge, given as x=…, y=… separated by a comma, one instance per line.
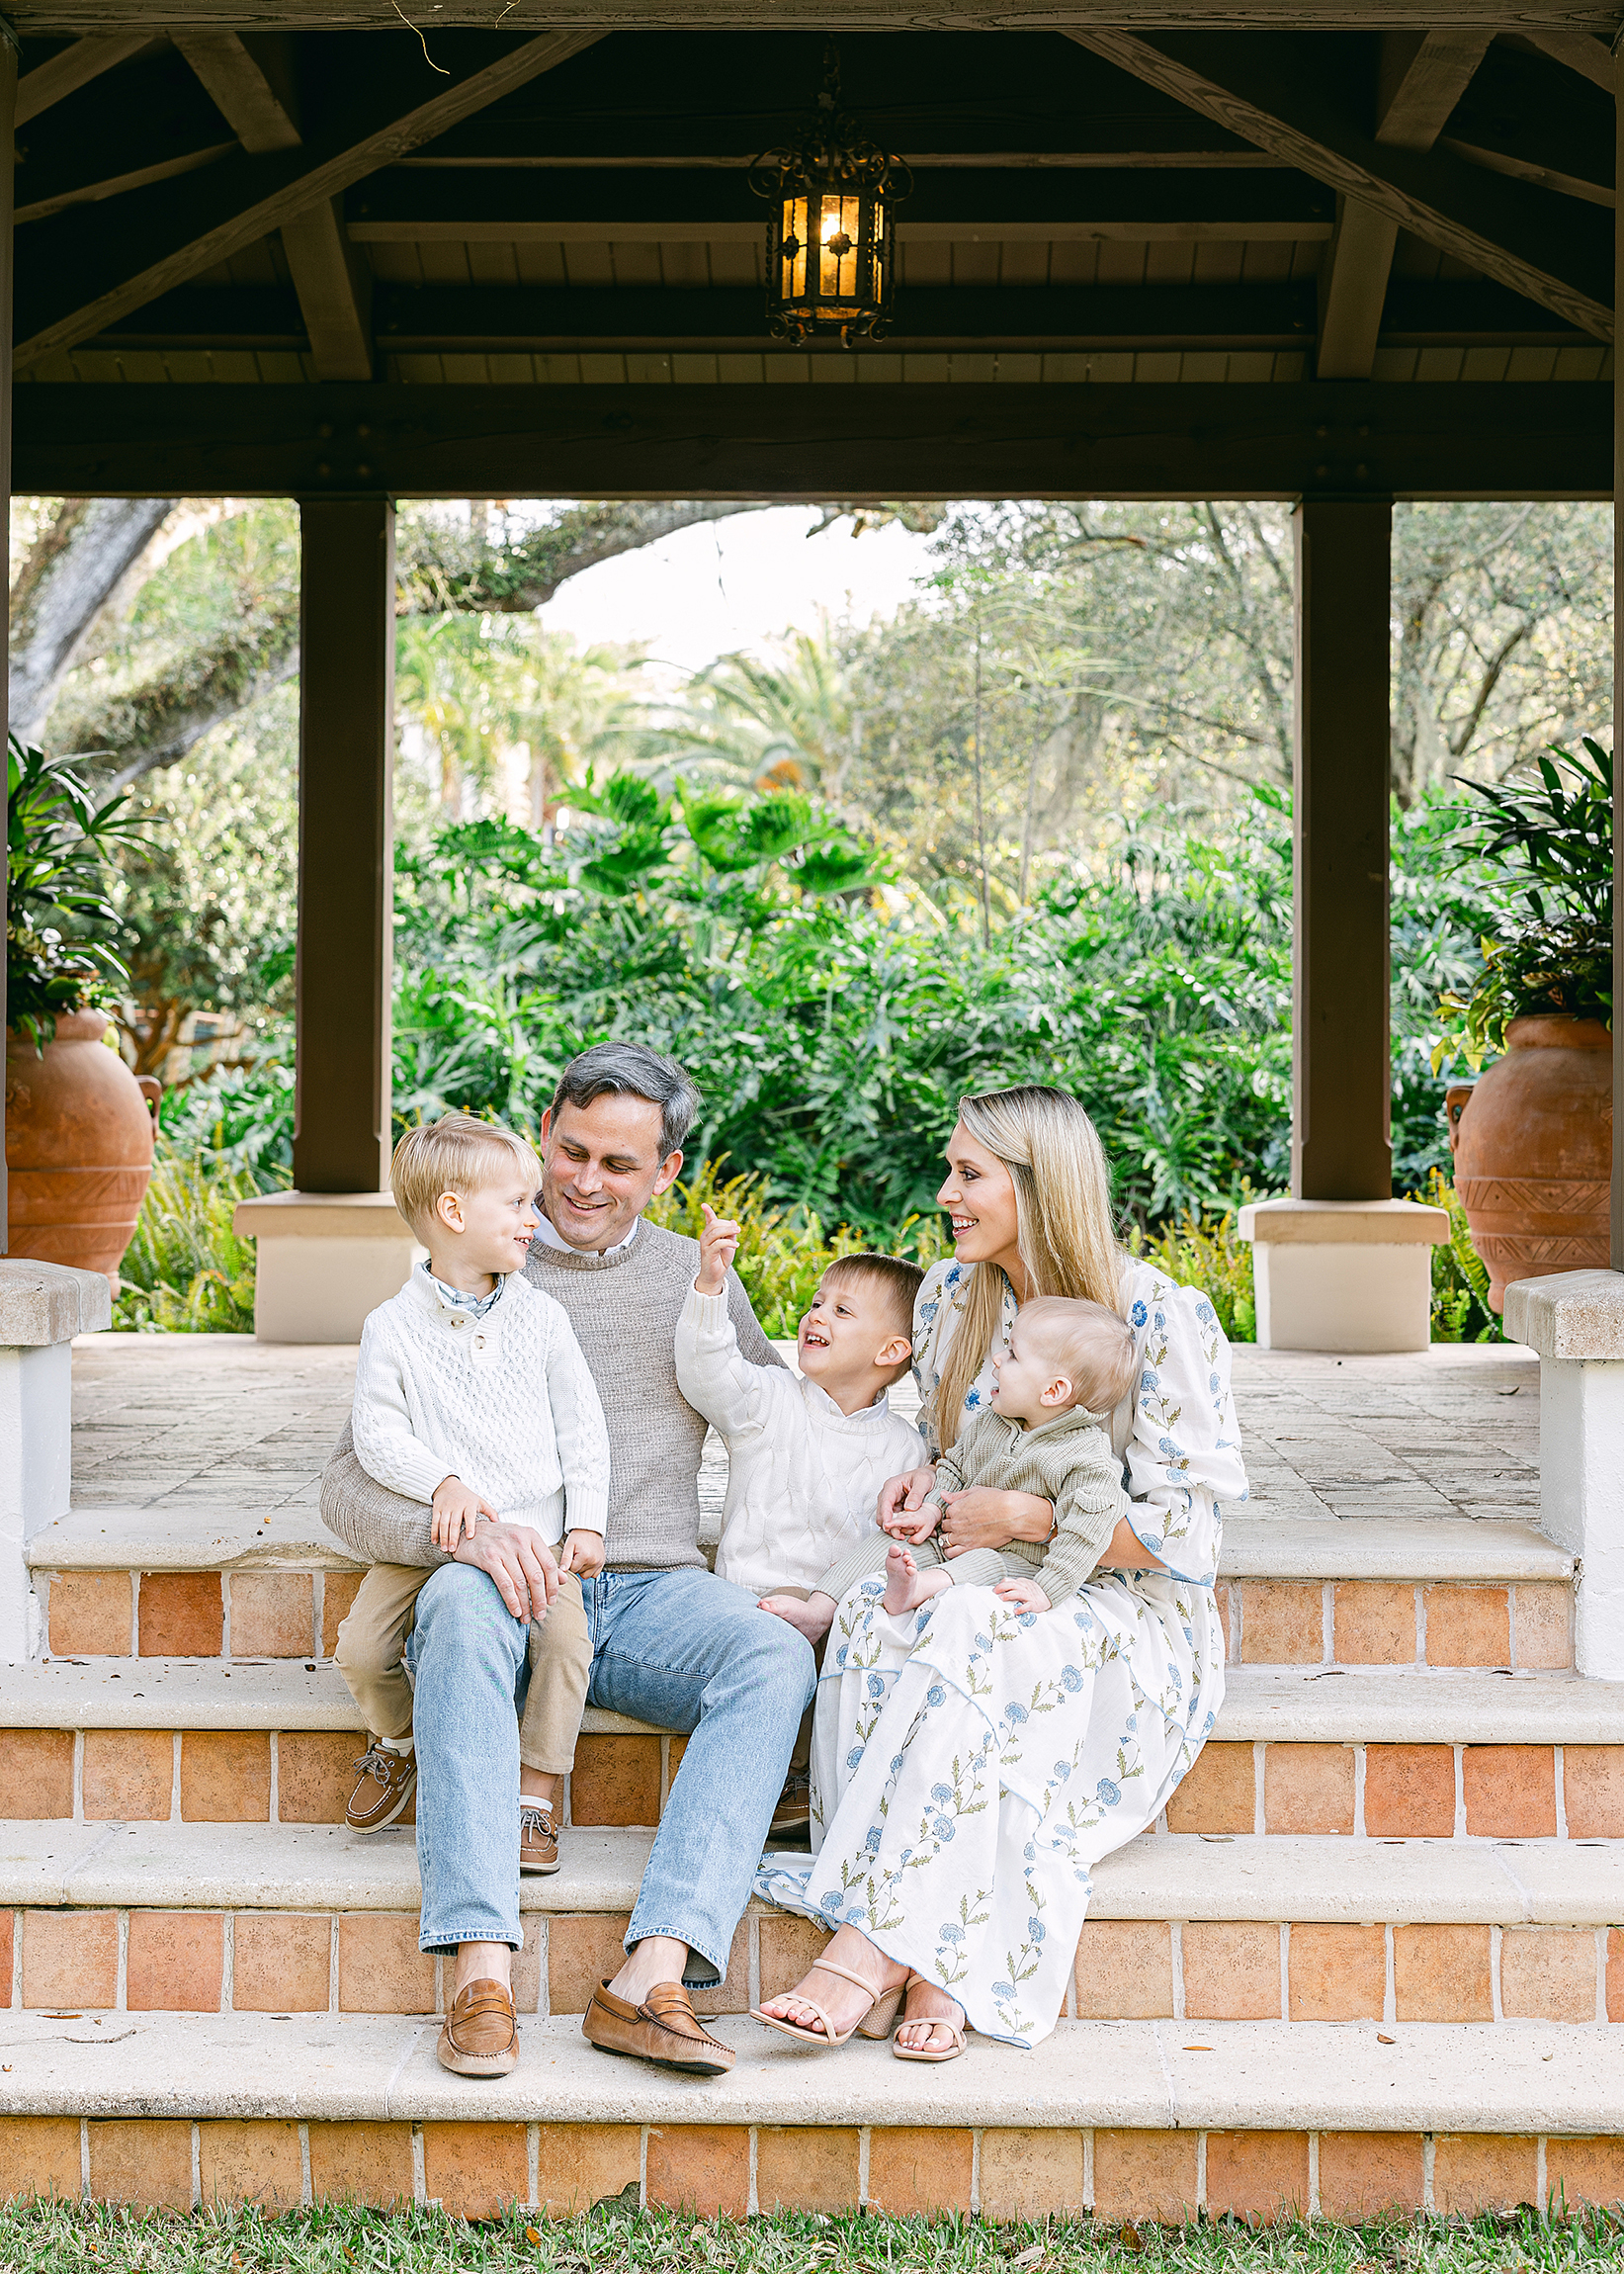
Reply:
x=1279, y=1704
x=1395, y=2077
x=1420, y=1550
x=1274, y=1877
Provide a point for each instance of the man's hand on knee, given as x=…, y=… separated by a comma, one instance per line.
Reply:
x=519, y=1561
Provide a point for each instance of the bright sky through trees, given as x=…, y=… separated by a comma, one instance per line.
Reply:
x=739, y=583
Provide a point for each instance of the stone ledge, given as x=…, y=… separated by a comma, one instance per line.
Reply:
x=47, y=1303
x=321, y=1215
x=1271, y=1877
x=1534, y=2078
x=1570, y=1315
x=1343, y=1223
x=1282, y=1705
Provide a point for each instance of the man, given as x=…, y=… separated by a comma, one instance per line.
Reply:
x=672, y=1645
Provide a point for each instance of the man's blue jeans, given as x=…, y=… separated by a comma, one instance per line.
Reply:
x=681, y=1650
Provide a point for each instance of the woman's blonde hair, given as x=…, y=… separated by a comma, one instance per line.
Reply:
x=1062, y=1218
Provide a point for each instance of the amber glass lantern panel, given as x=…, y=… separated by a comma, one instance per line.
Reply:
x=794, y=238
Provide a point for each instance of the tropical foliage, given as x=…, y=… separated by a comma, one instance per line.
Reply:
x=60, y=921
x=1552, y=949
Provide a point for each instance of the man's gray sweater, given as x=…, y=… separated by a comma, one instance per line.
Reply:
x=624, y=1308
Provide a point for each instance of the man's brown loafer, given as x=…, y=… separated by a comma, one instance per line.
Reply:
x=479, y=2038
x=663, y=2030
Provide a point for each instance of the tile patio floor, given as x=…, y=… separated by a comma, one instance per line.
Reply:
x=187, y=1423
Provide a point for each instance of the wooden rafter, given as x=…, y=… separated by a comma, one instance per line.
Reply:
x=334, y=287
x=1419, y=81
x=76, y=274
x=51, y=82
x=1298, y=104
x=253, y=91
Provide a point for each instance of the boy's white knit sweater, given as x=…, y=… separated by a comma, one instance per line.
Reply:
x=803, y=1477
x=503, y=1402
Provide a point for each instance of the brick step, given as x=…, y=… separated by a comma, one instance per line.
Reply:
x=1434, y=1591
x=175, y=1918
x=1141, y=2121
x=1373, y=1752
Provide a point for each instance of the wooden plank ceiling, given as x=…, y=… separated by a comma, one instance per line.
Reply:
x=568, y=206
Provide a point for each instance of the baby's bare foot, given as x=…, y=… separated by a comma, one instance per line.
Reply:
x=907, y=1586
x=805, y=1617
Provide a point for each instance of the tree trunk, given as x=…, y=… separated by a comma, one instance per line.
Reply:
x=69, y=577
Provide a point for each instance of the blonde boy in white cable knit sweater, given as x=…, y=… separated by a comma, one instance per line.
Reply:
x=807, y=1458
x=471, y=1394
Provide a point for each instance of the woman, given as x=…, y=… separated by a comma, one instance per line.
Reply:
x=972, y=1763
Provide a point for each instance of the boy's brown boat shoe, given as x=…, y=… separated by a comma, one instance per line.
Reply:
x=479, y=2036
x=663, y=2030
x=387, y=1782
x=538, y=1836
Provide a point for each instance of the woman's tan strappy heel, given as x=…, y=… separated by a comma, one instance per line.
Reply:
x=875, y=2022
x=930, y=2021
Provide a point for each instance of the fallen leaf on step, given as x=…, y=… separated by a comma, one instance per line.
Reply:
x=1547, y=2056
x=1029, y=2257
x=64, y=2017
x=1198, y=2048
x=1380, y=2040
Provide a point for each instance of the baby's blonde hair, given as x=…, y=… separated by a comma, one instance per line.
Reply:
x=1091, y=1346
x=455, y=1154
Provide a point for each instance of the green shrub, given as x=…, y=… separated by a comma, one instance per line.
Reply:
x=1460, y=1276
x=185, y=1271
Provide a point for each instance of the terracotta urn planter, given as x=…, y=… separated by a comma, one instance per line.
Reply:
x=78, y=1147
x=1533, y=1147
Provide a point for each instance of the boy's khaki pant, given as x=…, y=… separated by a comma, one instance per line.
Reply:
x=374, y=1636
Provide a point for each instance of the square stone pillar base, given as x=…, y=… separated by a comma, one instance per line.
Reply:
x=1344, y=1275
x=43, y=1306
x=324, y=1261
x=1574, y=1320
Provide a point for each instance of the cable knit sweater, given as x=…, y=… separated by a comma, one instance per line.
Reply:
x=624, y=1308
x=803, y=1477
x=1068, y=1461
x=438, y=1389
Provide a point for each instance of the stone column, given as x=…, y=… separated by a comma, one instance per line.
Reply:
x=1341, y=1265
x=43, y=1306
x=334, y=1247
x=1576, y=1322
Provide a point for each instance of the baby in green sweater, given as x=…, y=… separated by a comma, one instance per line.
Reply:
x=1047, y=1431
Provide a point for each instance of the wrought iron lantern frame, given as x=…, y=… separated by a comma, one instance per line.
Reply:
x=831, y=230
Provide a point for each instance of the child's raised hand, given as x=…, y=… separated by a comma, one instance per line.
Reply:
x=458, y=1508
x=1022, y=1595
x=915, y=1525
x=717, y=1246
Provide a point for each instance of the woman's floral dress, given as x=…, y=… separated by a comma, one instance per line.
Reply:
x=971, y=1763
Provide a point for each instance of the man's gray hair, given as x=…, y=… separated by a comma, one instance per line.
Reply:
x=630, y=1068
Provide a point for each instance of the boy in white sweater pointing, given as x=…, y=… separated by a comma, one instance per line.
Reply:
x=806, y=1459
x=471, y=1394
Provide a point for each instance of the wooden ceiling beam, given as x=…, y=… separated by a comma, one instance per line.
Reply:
x=1579, y=52
x=334, y=287
x=119, y=133
x=1419, y=81
x=85, y=268
x=501, y=318
x=252, y=86
x=1272, y=439
x=1523, y=114
x=1299, y=98
x=406, y=206
x=87, y=58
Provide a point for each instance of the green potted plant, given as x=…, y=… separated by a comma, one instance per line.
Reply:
x=78, y=1128
x=1532, y=1137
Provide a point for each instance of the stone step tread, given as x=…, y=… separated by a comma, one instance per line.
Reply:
x=1534, y=2077
x=1303, y=1880
x=1399, y=1549
x=1285, y=1704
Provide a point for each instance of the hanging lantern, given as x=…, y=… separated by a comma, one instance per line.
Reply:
x=831, y=224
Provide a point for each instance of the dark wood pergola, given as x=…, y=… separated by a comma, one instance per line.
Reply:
x=1338, y=252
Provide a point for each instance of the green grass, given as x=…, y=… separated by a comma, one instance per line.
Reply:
x=73, y=2239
